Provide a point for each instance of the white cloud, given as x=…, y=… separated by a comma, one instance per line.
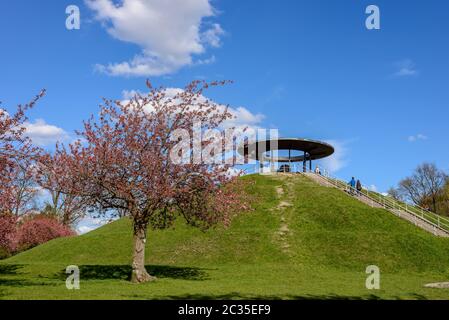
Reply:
x=85, y=229
x=406, y=68
x=44, y=134
x=42, y=193
x=89, y=224
x=212, y=36
x=338, y=160
x=129, y=94
x=417, y=138
x=206, y=61
x=242, y=117
x=169, y=33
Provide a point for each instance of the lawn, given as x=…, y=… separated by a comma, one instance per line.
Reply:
x=301, y=241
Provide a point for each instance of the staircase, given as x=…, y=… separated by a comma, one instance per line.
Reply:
x=424, y=219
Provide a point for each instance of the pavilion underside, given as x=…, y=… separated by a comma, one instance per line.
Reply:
x=268, y=151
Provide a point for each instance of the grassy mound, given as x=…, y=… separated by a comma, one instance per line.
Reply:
x=301, y=241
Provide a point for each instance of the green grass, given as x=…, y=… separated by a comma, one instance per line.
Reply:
x=438, y=220
x=330, y=241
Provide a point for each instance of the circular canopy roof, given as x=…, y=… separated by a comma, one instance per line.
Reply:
x=314, y=149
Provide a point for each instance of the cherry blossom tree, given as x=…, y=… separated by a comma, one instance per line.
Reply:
x=124, y=161
x=26, y=191
x=64, y=203
x=8, y=232
x=16, y=155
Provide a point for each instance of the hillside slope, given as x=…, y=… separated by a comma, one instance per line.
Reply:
x=301, y=241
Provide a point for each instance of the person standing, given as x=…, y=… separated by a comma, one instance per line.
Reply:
x=359, y=187
x=352, y=185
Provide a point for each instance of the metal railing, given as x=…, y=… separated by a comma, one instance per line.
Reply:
x=388, y=203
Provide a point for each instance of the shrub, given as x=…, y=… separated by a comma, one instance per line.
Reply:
x=40, y=229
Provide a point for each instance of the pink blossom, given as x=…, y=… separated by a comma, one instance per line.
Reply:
x=40, y=229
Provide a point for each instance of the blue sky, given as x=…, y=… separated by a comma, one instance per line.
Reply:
x=311, y=68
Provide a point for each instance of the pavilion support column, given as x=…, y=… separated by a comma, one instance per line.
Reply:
x=289, y=161
x=310, y=163
x=304, y=162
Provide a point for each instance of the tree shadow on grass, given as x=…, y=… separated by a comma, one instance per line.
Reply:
x=240, y=296
x=9, y=269
x=123, y=272
x=10, y=277
x=305, y=297
x=21, y=283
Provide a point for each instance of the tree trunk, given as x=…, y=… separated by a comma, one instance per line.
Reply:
x=139, y=273
x=434, y=200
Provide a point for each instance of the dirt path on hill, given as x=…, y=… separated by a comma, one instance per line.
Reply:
x=284, y=193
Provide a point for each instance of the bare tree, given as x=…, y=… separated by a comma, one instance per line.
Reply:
x=424, y=187
x=395, y=194
x=445, y=200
